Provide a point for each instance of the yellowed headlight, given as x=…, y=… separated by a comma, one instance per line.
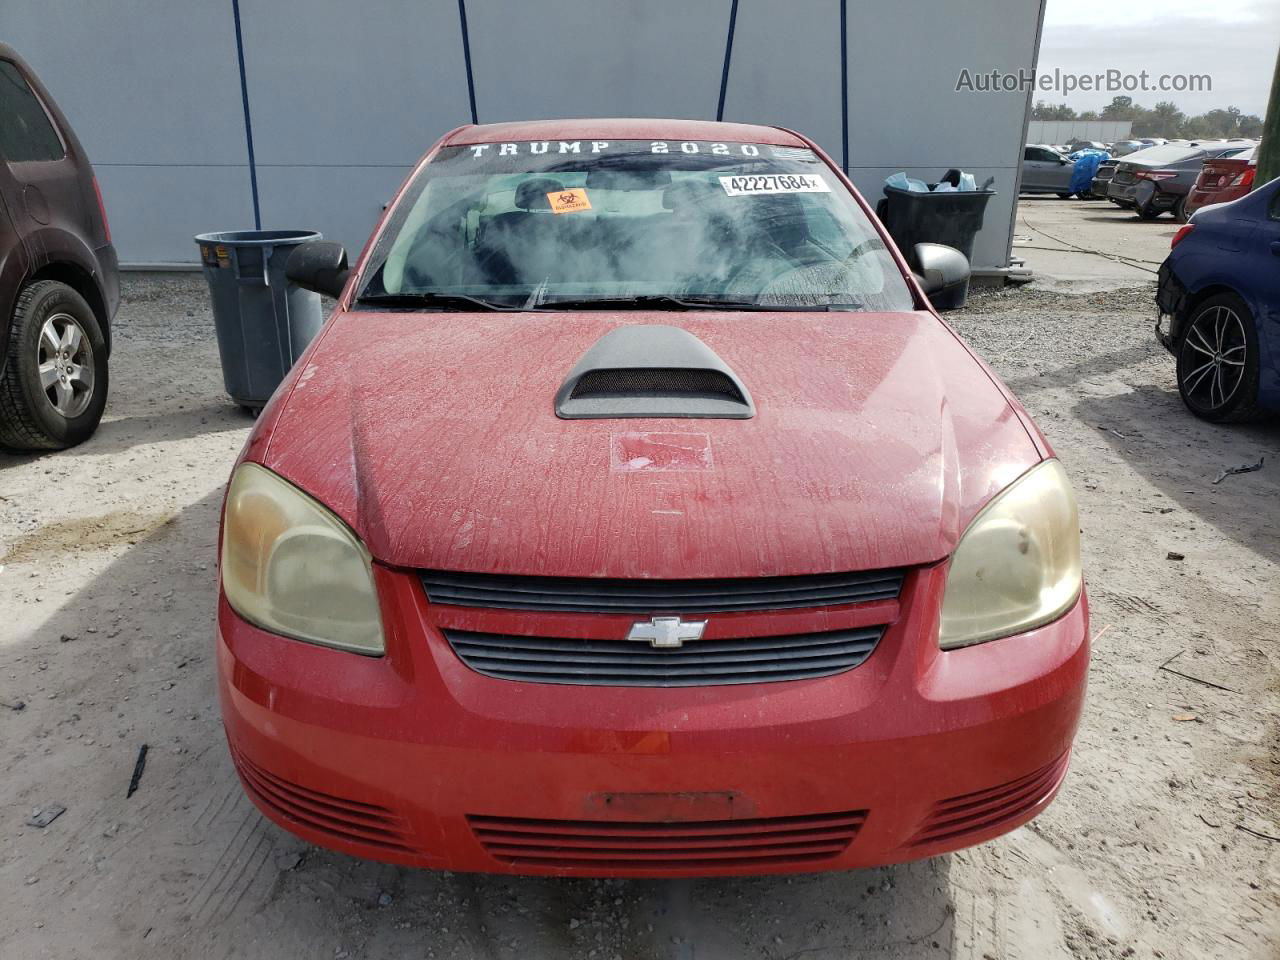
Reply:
x=292, y=567
x=1017, y=566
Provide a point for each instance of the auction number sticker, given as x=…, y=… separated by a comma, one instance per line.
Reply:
x=742, y=186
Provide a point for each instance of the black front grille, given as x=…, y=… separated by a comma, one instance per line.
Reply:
x=656, y=382
x=602, y=595
x=636, y=664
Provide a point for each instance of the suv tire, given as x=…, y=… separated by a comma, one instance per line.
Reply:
x=54, y=386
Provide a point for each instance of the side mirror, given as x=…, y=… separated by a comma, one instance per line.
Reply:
x=943, y=275
x=320, y=266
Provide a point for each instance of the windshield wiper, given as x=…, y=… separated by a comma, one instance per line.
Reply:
x=462, y=301
x=442, y=301
x=662, y=301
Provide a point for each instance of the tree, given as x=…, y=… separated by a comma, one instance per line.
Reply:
x=1057, y=111
x=1251, y=126
x=1120, y=108
x=1166, y=120
x=1168, y=116
x=1221, y=123
x=1269, y=152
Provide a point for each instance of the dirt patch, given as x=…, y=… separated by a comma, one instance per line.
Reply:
x=62, y=537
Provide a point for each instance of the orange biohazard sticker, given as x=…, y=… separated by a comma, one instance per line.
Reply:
x=569, y=201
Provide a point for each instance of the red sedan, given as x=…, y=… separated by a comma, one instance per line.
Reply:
x=1222, y=180
x=635, y=514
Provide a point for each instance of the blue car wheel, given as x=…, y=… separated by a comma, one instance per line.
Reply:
x=1218, y=360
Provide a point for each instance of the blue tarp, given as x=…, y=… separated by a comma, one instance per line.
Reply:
x=1086, y=168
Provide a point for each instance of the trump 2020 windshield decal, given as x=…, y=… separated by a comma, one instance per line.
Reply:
x=774, y=183
x=539, y=148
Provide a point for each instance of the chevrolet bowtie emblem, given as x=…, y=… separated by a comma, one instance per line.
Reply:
x=667, y=633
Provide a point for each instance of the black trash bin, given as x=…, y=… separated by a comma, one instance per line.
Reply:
x=952, y=218
x=263, y=322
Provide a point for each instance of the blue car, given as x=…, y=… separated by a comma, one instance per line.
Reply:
x=1220, y=292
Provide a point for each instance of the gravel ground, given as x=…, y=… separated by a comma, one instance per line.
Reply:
x=1163, y=842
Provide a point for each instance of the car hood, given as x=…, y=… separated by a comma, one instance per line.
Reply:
x=876, y=438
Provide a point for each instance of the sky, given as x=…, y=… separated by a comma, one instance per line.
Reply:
x=1234, y=42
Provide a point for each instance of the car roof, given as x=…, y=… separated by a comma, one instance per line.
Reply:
x=624, y=129
x=1169, y=153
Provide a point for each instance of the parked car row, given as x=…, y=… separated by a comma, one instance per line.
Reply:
x=1159, y=179
x=1151, y=176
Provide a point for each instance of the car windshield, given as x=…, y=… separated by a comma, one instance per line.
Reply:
x=664, y=224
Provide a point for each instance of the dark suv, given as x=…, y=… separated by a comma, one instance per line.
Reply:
x=59, y=285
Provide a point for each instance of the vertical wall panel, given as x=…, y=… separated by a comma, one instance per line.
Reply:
x=371, y=84
x=769, y=83
x=344, y=101
x=597, y=58
x=906, y=114
x=153, y=92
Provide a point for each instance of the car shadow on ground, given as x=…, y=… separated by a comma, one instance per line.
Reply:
x=1072, y=373
x=1194, y=452
x=1127, y=216
x=197, y=871
x=123, y=433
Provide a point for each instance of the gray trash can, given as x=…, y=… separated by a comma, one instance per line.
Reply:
x=263, y=322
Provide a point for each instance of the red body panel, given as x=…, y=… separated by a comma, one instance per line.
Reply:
x=421, y=736
x=877, y=438
x=1216, y=183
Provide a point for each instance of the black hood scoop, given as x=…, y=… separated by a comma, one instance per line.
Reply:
x=652, y=370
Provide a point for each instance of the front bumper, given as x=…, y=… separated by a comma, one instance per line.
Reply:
x=1171, y=297
x=413, y=758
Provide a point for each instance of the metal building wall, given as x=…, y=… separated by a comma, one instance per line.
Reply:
x=1064, y=131
x=341, y=99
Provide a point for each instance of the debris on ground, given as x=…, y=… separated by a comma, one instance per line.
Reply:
x=1175, y=555
x=45, y=815
x=138, y=766
x=1243, y=468
x=1186, y=676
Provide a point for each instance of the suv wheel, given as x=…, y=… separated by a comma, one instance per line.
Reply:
x=54, y=386
x=1218, y=360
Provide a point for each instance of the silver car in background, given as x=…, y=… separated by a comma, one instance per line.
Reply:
x=1045, y=170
